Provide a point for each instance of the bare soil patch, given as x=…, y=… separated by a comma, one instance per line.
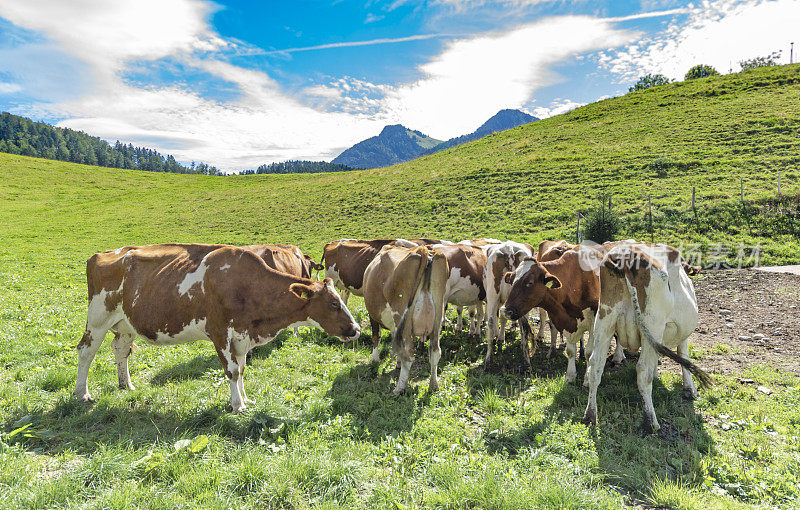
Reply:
x=748, y=317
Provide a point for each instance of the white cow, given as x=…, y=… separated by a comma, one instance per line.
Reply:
x=647, y=300
x=500, y=259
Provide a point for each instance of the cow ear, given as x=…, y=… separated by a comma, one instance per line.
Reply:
x=551, y=282
x=301, y=290
x=509, y=278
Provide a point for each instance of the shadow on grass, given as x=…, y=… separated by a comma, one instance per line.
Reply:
x=626, y=457
x=84, y=428
x=191, y=369
x=363, y=393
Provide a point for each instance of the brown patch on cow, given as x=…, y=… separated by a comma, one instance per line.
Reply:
x=499, y=267
x=471, y=262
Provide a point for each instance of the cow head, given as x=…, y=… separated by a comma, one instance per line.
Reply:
x=325, y=307
x=530, y=284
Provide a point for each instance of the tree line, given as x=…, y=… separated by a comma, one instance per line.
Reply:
x=297, y=167
x=19, y=135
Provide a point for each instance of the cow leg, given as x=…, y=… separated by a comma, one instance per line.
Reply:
x=240, y=381
x=459, y=319
x=689, y=390
x=434, y=354
x=491, y=332
x=645, y=371
x=597, y=362
x=87, y=348
x=619, y=354
x=472, y=313
x=233, y=371
x=501, y=334
x=123, y=347
x=405, y=360
x=376, y=341
x=553, y=340
x=570, y=351
x=479, y=315
x=542, y=320
x=524, y=338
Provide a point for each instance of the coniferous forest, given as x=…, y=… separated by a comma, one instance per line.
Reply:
x=19, y=135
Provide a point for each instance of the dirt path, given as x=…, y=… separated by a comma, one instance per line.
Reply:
x=756, y=314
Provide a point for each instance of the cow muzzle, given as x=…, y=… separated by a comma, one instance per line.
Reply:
x=352, y=333
x=512, y=313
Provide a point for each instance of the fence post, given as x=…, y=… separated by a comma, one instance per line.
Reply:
x=741, y=182
x=578, y=227
x=694, y=208
x=650, y=215
x=779, y=182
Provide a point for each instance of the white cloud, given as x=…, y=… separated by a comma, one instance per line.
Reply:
x=474, y=78
x=557, y=107
x=719, y=33
x=372, y=18
x=9, y=88
x=264, y=124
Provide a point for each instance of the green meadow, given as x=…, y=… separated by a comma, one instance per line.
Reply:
x=326, y=431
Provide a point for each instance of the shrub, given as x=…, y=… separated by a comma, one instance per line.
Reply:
x=602, y=224
x=648, y=81
x=700, y=71
x=767, y=61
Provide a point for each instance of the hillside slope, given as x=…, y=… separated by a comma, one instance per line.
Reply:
x=394, y=144
x=526, y=183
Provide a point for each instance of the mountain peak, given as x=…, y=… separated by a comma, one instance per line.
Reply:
x=395, y=144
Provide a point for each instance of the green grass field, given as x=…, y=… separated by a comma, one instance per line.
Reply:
x=325, y=431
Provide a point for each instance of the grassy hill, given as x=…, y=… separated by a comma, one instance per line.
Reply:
x=325, y=432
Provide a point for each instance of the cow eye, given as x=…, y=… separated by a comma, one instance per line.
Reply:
x=529, y=283
x=335, y=305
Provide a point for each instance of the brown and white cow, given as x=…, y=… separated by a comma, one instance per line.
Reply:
x=500, y=259
x=567, y=290
x=346, y=260
x=550, y=250
x=286, y=258
x=465, y=282
x=178, y=293
x=647, y=300
x=404, y=292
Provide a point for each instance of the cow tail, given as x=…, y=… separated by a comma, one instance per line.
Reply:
x=705, y=379
x=426, y=283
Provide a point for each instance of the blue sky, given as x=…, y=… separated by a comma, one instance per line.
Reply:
x=238, y=84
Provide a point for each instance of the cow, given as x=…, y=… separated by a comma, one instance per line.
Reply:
x=346, y=260
x=286, y=258
x=565, y=289
x=177, y=293
x=404, y=292
x=550, y=250
x=500, y=259
x=465, y=282
x=647, y=300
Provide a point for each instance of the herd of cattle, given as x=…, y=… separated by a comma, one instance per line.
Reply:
x=241, y=297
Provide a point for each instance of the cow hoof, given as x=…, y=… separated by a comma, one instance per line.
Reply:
x=648, y=427
x=690, y=393
x=590, y=417
x=238, y=409
x=397, y=390
x=434, y=386
x=130, y=387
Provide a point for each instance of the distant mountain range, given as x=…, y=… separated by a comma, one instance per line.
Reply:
x=397, y=143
